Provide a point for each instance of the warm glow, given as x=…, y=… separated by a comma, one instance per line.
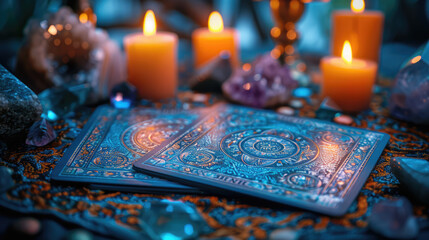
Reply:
x=52, y=30
x=215, y=22
x=357, y=6
x=346, y=55
x=416, y=59
x=149, y=24
x=83, y=18
x=247, y=67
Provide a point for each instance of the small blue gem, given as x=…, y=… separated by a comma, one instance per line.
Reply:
x=302, y=92
x=123, y=95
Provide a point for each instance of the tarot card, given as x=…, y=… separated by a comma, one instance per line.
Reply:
x=306, y=163
x=112, y=139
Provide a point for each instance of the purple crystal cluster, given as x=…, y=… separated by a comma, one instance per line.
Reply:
x=266, y=83
x=410, y=95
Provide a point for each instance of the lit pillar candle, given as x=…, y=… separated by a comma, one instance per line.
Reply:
x=348, y=81
x=364, y=30
x=152, y=61
x=208, y=43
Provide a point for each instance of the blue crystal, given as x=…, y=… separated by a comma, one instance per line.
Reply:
x=413, y=174
x=302, y=92
x=123, y=95
x=58, y=102
x=171, y=220
x=394, y=219
x=40, y=134
x=6, y=181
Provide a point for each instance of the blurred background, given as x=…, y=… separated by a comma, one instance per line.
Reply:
x=406, y=25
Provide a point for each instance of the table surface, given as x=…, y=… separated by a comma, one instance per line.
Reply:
x=115, y=214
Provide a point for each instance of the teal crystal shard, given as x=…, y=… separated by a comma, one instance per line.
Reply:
x=168, y=220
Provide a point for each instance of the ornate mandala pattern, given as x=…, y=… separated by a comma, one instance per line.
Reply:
x=142, y=137
x=110, y=161
x=202, y=158
x=269, y=148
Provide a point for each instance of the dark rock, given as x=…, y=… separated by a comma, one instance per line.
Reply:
x=394, y=219
x=413, y=174
x=40, y=134
x=19, y=106
x=210, y=77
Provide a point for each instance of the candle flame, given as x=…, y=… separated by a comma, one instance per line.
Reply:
x=346, y=55
x=357, y=6
x=215, y=22
x=149, y=24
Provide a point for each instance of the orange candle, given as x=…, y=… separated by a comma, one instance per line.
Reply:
x=347, y=81
x=364, y=30
x=152, y=61
x=208, y=43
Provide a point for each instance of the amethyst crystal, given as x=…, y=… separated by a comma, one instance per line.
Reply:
x=394, y=219
x=410, y=95
x=123, y=95
x=267, y=83
x=40, y=134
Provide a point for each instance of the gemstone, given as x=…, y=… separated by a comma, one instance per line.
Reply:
x=198, y=97
x=58, y=102
x=211, y=76
x=288, y=111
x=327, y=110
x=123, y=95
x=394, y=219
x=409, y=98
x=284, y=234
x=6, y=180
x=302, y=92
x=27, y=226
x=171, y=220
x=19, y=106
x=266, y=83
x=343, y=119
x=413, y=174
x=79, y=234
x=296, y=103
x=40, y=134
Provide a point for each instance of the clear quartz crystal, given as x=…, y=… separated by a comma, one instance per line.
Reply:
x=171, y=220
x=58, y=102
x=409, y=99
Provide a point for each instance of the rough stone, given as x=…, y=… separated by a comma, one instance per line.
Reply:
x=19, y=106
x=40, y=134
x=394, y=219
x=6, y=180
x=413, y=174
